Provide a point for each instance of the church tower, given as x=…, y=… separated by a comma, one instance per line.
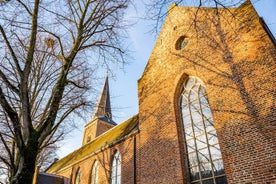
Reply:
x=102, y=118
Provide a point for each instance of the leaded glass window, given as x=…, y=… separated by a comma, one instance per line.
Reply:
x=94, y=173
x=203, y=151
x=116, y=169
x=78, y=177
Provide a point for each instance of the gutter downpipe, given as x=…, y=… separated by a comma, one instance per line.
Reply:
x=134, y=160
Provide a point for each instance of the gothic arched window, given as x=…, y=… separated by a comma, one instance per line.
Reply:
x=116, y=169
x=203, y=151
x=78, y=177
x=94, y=173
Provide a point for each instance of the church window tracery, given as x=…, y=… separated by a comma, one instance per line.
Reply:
x=94, y=173
x=116, y=169
x=203, y=151
x=78, y=177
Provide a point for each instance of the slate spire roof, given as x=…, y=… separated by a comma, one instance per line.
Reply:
x=103, y=108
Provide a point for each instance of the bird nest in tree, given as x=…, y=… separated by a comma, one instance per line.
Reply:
x=50, y=42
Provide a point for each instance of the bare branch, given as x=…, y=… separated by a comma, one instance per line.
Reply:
x=77, y=85
x=14, y=118
x=7, y=82
x=26, y=8
x=11, y=50
x=8, y=151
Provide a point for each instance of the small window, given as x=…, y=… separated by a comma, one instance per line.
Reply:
x=116, y=169
x=88, y=138
x=94, y=173
x=181, y=42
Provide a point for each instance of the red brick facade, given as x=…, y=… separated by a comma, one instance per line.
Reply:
x=94, y=129
x=231, y=52
x=235, y=58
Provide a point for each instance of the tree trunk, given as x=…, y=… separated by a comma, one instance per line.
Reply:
x=26, y=166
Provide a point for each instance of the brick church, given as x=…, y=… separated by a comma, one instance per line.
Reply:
x=207, y=110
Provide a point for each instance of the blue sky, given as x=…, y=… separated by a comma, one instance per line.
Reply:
x=123, y=86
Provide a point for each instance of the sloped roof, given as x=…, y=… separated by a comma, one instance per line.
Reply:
x=106, y=119
x=110, y=137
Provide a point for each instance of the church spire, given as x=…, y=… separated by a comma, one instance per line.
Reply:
x=101, y=119
x=103, y=108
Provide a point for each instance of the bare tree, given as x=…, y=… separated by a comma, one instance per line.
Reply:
x=157, y=10
x=48, y=49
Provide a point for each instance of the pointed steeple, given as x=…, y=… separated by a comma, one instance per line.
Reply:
x=103, y=108
x=101, y=119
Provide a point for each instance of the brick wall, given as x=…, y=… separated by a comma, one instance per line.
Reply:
x=103, y=127
x=231, y=53
x=104, y=159
x=90, y=132
x=94, y=129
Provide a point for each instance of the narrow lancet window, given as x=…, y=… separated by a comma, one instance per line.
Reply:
x=94, y=173
x=78, y=177
x=203, y=151
x=116, y=169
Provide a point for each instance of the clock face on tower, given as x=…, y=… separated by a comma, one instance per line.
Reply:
x=108, y=114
